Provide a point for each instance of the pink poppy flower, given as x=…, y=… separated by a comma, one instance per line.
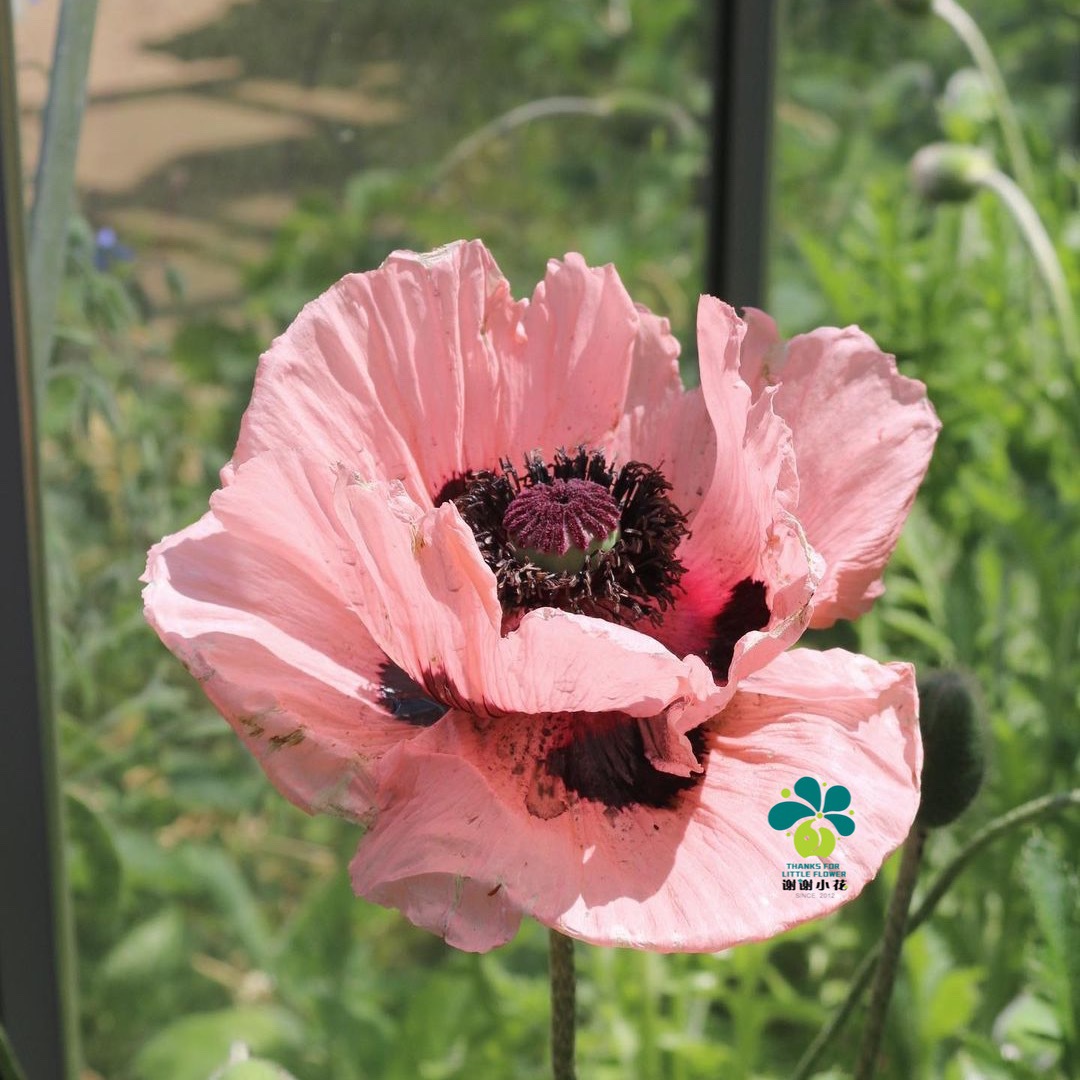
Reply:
x=485, y=579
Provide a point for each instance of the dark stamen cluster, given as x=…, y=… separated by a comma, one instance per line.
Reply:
x=633, y=580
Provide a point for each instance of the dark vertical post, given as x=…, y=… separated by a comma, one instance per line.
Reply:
x=32, y=904
x=741, y=148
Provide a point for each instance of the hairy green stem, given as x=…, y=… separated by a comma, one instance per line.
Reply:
x=563, y=1004
x=1042, y=250
x=889, y=954
x=1026, y=814
x=54, y=184
x=967, y=30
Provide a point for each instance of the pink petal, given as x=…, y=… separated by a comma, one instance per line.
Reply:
x=429, y=600
x=863, y=437
x=426, y=368
x=252, y=598
x=570, y=384
x=468, y=811
x=654, y=375
x=676, y=436
x=742, y=531
x=467, y=915
x=400, y=371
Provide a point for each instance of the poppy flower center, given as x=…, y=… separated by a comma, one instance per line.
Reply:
x=575, y=533
x=559, y=525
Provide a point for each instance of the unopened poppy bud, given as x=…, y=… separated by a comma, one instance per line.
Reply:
x=966, y=107
x=949, y=172
x=953, y=758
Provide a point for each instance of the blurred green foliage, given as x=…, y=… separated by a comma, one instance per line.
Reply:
x=211, y=913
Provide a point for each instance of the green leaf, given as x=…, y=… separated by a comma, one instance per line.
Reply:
x=1053, y=887
x=318, y=940
x=253, y=1069
x=149, y=950
x=94, y=867
x=55, y=183
x=919, y=628
x=1028, y=1029
x=193, y=1047
x=952, y=1004
x=222, y=879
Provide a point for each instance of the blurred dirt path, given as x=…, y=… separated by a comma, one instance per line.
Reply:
x=159, y=129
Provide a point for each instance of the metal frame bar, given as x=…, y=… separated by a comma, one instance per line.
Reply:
x=33, y=1003
x=744, y=55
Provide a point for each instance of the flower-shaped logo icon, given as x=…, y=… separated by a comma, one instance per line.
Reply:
x=809, y=840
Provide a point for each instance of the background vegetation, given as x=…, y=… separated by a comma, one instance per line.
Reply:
x=211, y=911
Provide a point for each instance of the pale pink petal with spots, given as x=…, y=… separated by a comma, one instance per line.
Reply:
x=475, y=804
x=254, y=599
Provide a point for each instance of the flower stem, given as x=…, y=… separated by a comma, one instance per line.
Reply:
x=1042, y=249
x=1024, y=814
x=563, y=1004
x=859, y=982
x=601, y=107
x=967, y=30
x=891, y=942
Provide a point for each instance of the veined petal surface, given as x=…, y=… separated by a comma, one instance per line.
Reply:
x=863, y=435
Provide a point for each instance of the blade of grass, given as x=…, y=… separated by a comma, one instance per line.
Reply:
x=54, y=184
x=9, y=1066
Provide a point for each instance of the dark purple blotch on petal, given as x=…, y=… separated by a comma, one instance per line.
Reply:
x=610, y=766
x=744, y=611
x=450, y=490
x=406, y=699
